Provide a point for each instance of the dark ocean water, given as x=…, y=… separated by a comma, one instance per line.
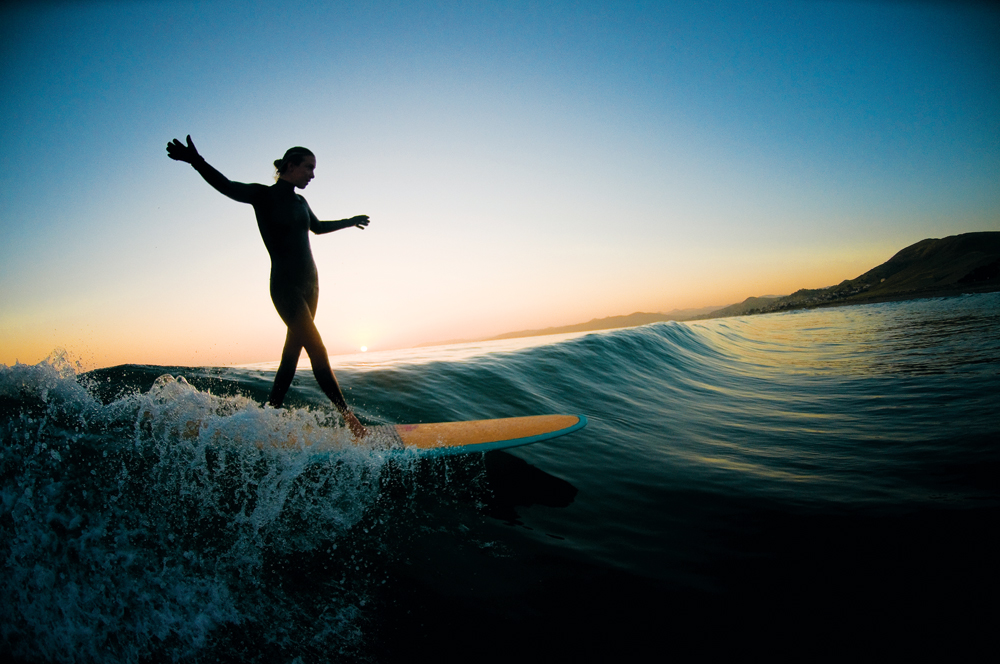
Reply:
x=807, y=484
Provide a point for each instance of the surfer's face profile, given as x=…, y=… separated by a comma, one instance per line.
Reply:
x=301, y=174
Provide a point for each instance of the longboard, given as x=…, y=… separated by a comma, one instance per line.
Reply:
x=443, y=438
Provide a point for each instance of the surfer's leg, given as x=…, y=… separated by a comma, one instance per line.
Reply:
x=286, y=370
x=298, y=311
x=308, y=336
x=302, y=333
x=291, y=306
x=313, y=344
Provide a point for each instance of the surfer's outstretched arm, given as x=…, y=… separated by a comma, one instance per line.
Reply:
x=237, y=191
x=320, y=227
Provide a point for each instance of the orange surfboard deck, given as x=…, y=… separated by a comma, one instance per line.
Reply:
x=440, y=438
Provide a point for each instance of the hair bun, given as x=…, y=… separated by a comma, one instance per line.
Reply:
x=277, y=163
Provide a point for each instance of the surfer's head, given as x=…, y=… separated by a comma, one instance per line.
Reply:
x=293, y=157
x=296, y=166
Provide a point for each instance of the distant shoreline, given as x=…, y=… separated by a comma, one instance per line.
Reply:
x=660, y=318
x=957, y=265
x=899, y=297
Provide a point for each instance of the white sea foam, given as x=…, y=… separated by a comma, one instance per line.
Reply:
x=144, y=526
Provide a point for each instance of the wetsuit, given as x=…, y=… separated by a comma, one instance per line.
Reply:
x=284, y=220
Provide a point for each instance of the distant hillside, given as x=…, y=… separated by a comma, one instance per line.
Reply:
x=751, y=305
x=967, y=263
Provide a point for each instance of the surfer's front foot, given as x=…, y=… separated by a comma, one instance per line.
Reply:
x=356, y=427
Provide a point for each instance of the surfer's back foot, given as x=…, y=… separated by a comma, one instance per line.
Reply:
x=357, y=428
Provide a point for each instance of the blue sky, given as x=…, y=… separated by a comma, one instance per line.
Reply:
x=524, y=164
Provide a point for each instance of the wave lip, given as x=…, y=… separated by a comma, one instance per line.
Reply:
x=151, y=522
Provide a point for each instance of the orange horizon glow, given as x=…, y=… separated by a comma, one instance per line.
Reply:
x=256, y=337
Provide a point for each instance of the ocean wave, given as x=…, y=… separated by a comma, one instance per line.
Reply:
x=162, y=513
x=148, y=523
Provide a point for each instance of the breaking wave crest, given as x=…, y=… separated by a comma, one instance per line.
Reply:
x=145, y=525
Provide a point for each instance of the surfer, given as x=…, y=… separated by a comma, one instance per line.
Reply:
x=284, y=220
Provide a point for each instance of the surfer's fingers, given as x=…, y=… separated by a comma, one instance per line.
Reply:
x=175, y=149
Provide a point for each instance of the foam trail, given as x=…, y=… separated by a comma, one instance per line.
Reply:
x=152, y=520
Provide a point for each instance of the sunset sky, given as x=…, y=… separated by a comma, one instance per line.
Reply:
x=524, y=164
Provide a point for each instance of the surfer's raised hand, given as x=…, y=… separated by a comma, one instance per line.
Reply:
x=359, y=221
x=180, y=152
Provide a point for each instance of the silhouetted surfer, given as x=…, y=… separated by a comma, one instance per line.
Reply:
x=284, y=220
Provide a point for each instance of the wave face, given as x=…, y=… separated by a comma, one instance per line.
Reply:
x=731, y=469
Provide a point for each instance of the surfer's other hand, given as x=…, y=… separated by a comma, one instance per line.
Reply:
x=360, y=221
x=357, y=428
x=180, y=152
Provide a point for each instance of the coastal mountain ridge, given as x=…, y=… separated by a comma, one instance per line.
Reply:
x=966, y=263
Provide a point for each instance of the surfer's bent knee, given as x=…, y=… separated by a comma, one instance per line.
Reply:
x=293, y=300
